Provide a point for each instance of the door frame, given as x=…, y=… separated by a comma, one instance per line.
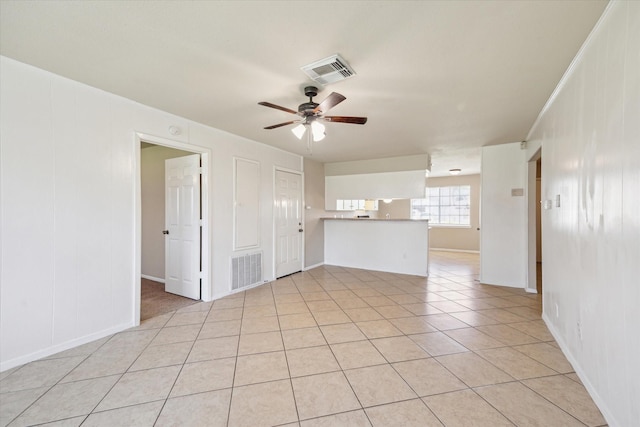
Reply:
x=273, y=215
x=205, y=244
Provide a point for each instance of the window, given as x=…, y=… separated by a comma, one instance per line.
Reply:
x=444, y=205
x=353, y=205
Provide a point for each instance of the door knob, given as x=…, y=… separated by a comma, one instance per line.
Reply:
x=165, y=231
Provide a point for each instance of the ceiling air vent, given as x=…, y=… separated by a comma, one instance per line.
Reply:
x=329, y=70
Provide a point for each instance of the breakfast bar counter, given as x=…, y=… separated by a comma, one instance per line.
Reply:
x=390, y=245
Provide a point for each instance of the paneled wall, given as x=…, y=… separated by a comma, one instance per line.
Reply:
x=590, y=138
x=69, y=173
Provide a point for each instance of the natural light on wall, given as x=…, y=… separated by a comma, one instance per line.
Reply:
x=448, y=206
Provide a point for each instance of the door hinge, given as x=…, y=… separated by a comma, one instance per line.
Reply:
x=201, y=170
x=201, y=221
x=199, y=274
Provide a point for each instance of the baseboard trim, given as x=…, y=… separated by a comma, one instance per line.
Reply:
x=155, y=279
x=311, y=267
x=45, y=352
x=454, y=250
x=602, y=406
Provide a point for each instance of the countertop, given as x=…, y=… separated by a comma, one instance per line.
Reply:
x=374, y=219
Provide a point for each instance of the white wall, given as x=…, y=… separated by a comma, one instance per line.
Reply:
x=590, y=138
x=153, y=196
x=503, y=229
x=67, y=195
x=313, y=225
x=397, y=209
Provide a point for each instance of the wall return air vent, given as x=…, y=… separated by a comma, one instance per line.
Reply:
x=246, y=270
x=329, y=70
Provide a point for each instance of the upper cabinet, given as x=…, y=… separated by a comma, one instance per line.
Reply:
x=392, y=178
x=374, y=186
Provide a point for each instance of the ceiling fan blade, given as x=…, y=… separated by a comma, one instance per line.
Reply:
x=282, y=124
x=277, y=107
x=330, y=101
x=345, y=119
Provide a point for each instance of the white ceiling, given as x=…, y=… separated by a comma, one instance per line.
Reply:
x=441, y=77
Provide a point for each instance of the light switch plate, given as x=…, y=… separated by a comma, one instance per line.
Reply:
x=517, y=192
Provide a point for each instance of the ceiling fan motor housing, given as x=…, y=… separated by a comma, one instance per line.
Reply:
x=311, y=91
x=308, y=107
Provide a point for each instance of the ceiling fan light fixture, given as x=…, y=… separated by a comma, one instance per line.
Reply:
x=312, y=115
x=318, y=131
x=298, y=131
x=455, y=171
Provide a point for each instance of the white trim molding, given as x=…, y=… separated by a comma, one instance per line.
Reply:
x=154, y=279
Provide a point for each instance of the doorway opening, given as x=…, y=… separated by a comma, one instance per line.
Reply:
x=539, y=225
x=156, y=231
x=534, y=261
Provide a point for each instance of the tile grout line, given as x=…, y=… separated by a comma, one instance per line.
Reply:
x=551, y=402
x=344, y=375
x=76, y=381
x=129, y=367
x=183, y=363
x=286, y=357
x=235, y=365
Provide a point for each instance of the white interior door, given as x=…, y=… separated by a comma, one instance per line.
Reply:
x=288, y=219
x=182, y=226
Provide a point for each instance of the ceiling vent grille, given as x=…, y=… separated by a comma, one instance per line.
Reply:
x=329, y=70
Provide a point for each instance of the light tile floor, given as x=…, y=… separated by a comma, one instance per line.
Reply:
x=329, y=347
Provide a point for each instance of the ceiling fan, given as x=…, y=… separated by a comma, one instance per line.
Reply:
x=312, y=114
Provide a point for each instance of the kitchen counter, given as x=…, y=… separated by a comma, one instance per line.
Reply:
x=390, y=245
x=373, y=219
